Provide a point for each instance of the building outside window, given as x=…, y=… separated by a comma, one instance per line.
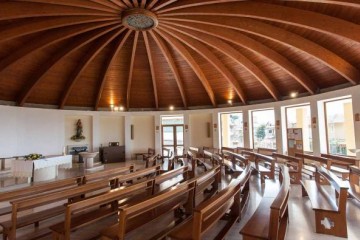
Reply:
x=339, y=126
x=300, y=117
x=263, y=129
x=232, y=134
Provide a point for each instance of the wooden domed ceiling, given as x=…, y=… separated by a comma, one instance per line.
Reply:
x=149, y=54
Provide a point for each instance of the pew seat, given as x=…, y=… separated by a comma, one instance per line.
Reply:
x=330, y=212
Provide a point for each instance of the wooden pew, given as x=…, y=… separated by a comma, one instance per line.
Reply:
x=211, y=178
x=354, y=183
x=139, y=175
x=18, y=219
x=204, y=160
x=270, y=219
x=257, y=158
x=135, y=215
x=240, y=149
x=104, y=205
x=294, y=164
x=171, y=178
x=330, y=213
x=340, y=164
x=151, y=161
x=106, y=174
x=266, y=151
x=149, y=153
x=37, y=190
x=234, y=198
x=309, y=161
x=231, y=160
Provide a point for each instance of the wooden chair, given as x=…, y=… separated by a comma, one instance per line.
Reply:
x=330, y=213
x=270, y=220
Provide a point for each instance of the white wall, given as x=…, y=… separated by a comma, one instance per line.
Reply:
x=198, y=130
x=27, y=130
x=112, y=129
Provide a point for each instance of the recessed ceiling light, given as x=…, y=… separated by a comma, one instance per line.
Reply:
x=293, y=94
x=229, y=101
x=171, y=108
x=116, y=109
x=121, y=108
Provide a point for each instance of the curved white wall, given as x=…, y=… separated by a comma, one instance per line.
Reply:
x=46, y=131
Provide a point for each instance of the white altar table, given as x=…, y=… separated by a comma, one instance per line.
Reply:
x=42, y=169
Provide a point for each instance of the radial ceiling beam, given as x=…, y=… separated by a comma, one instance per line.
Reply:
x=96, y=48
x=254, y=46
x=276, y=13
x=151, y=4
x=128, y=3
x=17, y=10
x=164, y=4
x=133, y=53
x=52, y=37
x=119, y=3
x=152, y=68
x=212, y=59
x=183, y=4
x=109, y=3
x=75, y=3
x=284, y=37
x=135, y=3
x=61, y=54
x=22, y=28
x=232, y=53
x=143, y=3
x=166, y=52
x=185, y=54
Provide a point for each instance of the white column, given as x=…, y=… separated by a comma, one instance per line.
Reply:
x=356, y=110
x=278, y=130
x=246, y=121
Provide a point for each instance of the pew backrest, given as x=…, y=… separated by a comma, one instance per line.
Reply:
x=340, y=160
x=106, y=174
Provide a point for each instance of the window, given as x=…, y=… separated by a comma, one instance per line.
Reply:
x=300, y=117
x=232, y=134
x=263, y=129
x=339, y=126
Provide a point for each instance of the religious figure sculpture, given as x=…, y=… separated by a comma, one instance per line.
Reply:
x=79, y=132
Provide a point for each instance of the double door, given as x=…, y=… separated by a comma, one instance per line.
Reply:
x=173, y=138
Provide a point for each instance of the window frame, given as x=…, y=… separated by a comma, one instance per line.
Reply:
x=252, y=125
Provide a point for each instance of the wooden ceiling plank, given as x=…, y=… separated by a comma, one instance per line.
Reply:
x=17, y=10
x=143, y=3
x=75, y=3
x=24, y=28
x=118, y=3
x=152, y=68
x=166, y=52
x=108, y=3
x=276, y=13
x=135, y=3
x=97, y=47
x=50, y=39
x=166, y=3
x=133, y=53
x=109, y=62
x=231, y=52
x=191, y=61
x=258, y=48
x=65, y=51
x=345, y=3
x=151, y=4
x=324, y=55
x=212, y=59
x=128, y=3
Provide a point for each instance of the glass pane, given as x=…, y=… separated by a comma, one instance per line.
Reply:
x=300, y=117
x=179, y=135
x=168, y=135
x=179, y=150
x=340, y=127
x=172, y=120
x=232, y=134
x=264, y=129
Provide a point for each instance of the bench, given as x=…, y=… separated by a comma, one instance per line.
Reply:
x=171, y=178
x=134, y=215
x=353, y=183
x=149, y=153
x=270, y=219
x=211, y=178
x=340, y=164
x=37, y=189
x=234, y=198
x=18, y=219
x=264, y=172
x=231, y=161
x=266, y=151
x=294, y=164
x=138, y=175
x=151, y=161
x=203, y=161
x=104, y=205
x=330, y=213
x=309, y=161
x=106, y=174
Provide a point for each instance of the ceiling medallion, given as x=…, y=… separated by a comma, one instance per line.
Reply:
x=139, y=19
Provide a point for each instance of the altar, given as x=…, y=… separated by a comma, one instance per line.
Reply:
x=42, y=169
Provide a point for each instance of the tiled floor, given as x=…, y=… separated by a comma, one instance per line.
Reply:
x=301, y=226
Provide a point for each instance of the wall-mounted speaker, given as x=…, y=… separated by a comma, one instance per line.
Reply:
x=208, y=129
x=132, y=132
